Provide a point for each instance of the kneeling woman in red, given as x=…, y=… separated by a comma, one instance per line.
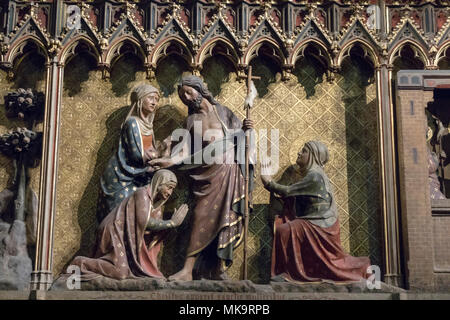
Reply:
x=307, y=245
x=129, y=238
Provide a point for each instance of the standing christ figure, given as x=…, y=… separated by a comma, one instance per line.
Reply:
x=217, y=227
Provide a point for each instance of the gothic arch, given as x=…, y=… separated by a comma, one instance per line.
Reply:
x=17, y=49
x=368, y=51
x=299, y=49
x=206, y=51
x=69, y=50
x=161, y=51
x=441, y=53
x=253, y=51
x=113, y=54
x=418, y=49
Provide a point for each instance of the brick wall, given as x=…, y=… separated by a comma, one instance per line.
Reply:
x=441, y=245
x=416, y=216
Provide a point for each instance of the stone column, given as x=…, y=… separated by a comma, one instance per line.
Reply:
x=388, y=175
x=41, y=278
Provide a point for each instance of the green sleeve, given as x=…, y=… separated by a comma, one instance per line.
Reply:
x=307, y=185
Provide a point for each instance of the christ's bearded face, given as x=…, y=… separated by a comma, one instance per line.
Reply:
x=190, y=97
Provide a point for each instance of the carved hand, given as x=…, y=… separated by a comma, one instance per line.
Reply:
x=150, y=154
x=160, y=163
x=266, y=169
x=248, y=124
x=179, y=214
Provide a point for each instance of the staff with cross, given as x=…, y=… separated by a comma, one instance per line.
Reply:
x=251, y=95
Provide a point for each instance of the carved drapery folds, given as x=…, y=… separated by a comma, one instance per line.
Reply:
x=282, y=31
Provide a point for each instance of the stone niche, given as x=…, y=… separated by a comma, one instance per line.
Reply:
x=342, y=114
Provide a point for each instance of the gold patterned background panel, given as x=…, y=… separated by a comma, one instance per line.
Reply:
x=342, y=114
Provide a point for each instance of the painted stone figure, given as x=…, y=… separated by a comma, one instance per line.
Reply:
x=433, y=180
x=129, y=238
x=128, y=168
x=306, y=245
x=217, y=227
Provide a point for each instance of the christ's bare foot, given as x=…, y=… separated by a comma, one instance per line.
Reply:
x=182, y=275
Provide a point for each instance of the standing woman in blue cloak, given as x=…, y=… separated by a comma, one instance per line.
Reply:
x=128, y=167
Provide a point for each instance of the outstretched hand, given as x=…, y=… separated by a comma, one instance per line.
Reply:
x=179, y=214
x=266, y=170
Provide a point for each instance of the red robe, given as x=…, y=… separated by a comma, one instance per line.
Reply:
x=305, y=248
x=124, y=248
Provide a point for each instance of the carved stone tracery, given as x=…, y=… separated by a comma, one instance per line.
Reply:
x=240, y=24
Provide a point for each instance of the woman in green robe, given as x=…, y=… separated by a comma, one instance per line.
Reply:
x=307, y=244
x=128, y=167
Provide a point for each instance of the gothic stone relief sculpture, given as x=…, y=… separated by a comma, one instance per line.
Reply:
x=130, y=236
x=18, y=203
x=306, y=245
x=128, y=167
x=218, y=186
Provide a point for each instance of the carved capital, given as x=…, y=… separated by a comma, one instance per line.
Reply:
x=386, y=65
x=54, y=47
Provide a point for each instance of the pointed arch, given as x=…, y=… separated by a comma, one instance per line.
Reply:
x=17, y=49
x=366, y=46
x=227, y=50
x=300, y=47
x=165, y=48
x=442, y=52
x=69, y=50
x=253, y=51
x=414, y=45
x=114, y=52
